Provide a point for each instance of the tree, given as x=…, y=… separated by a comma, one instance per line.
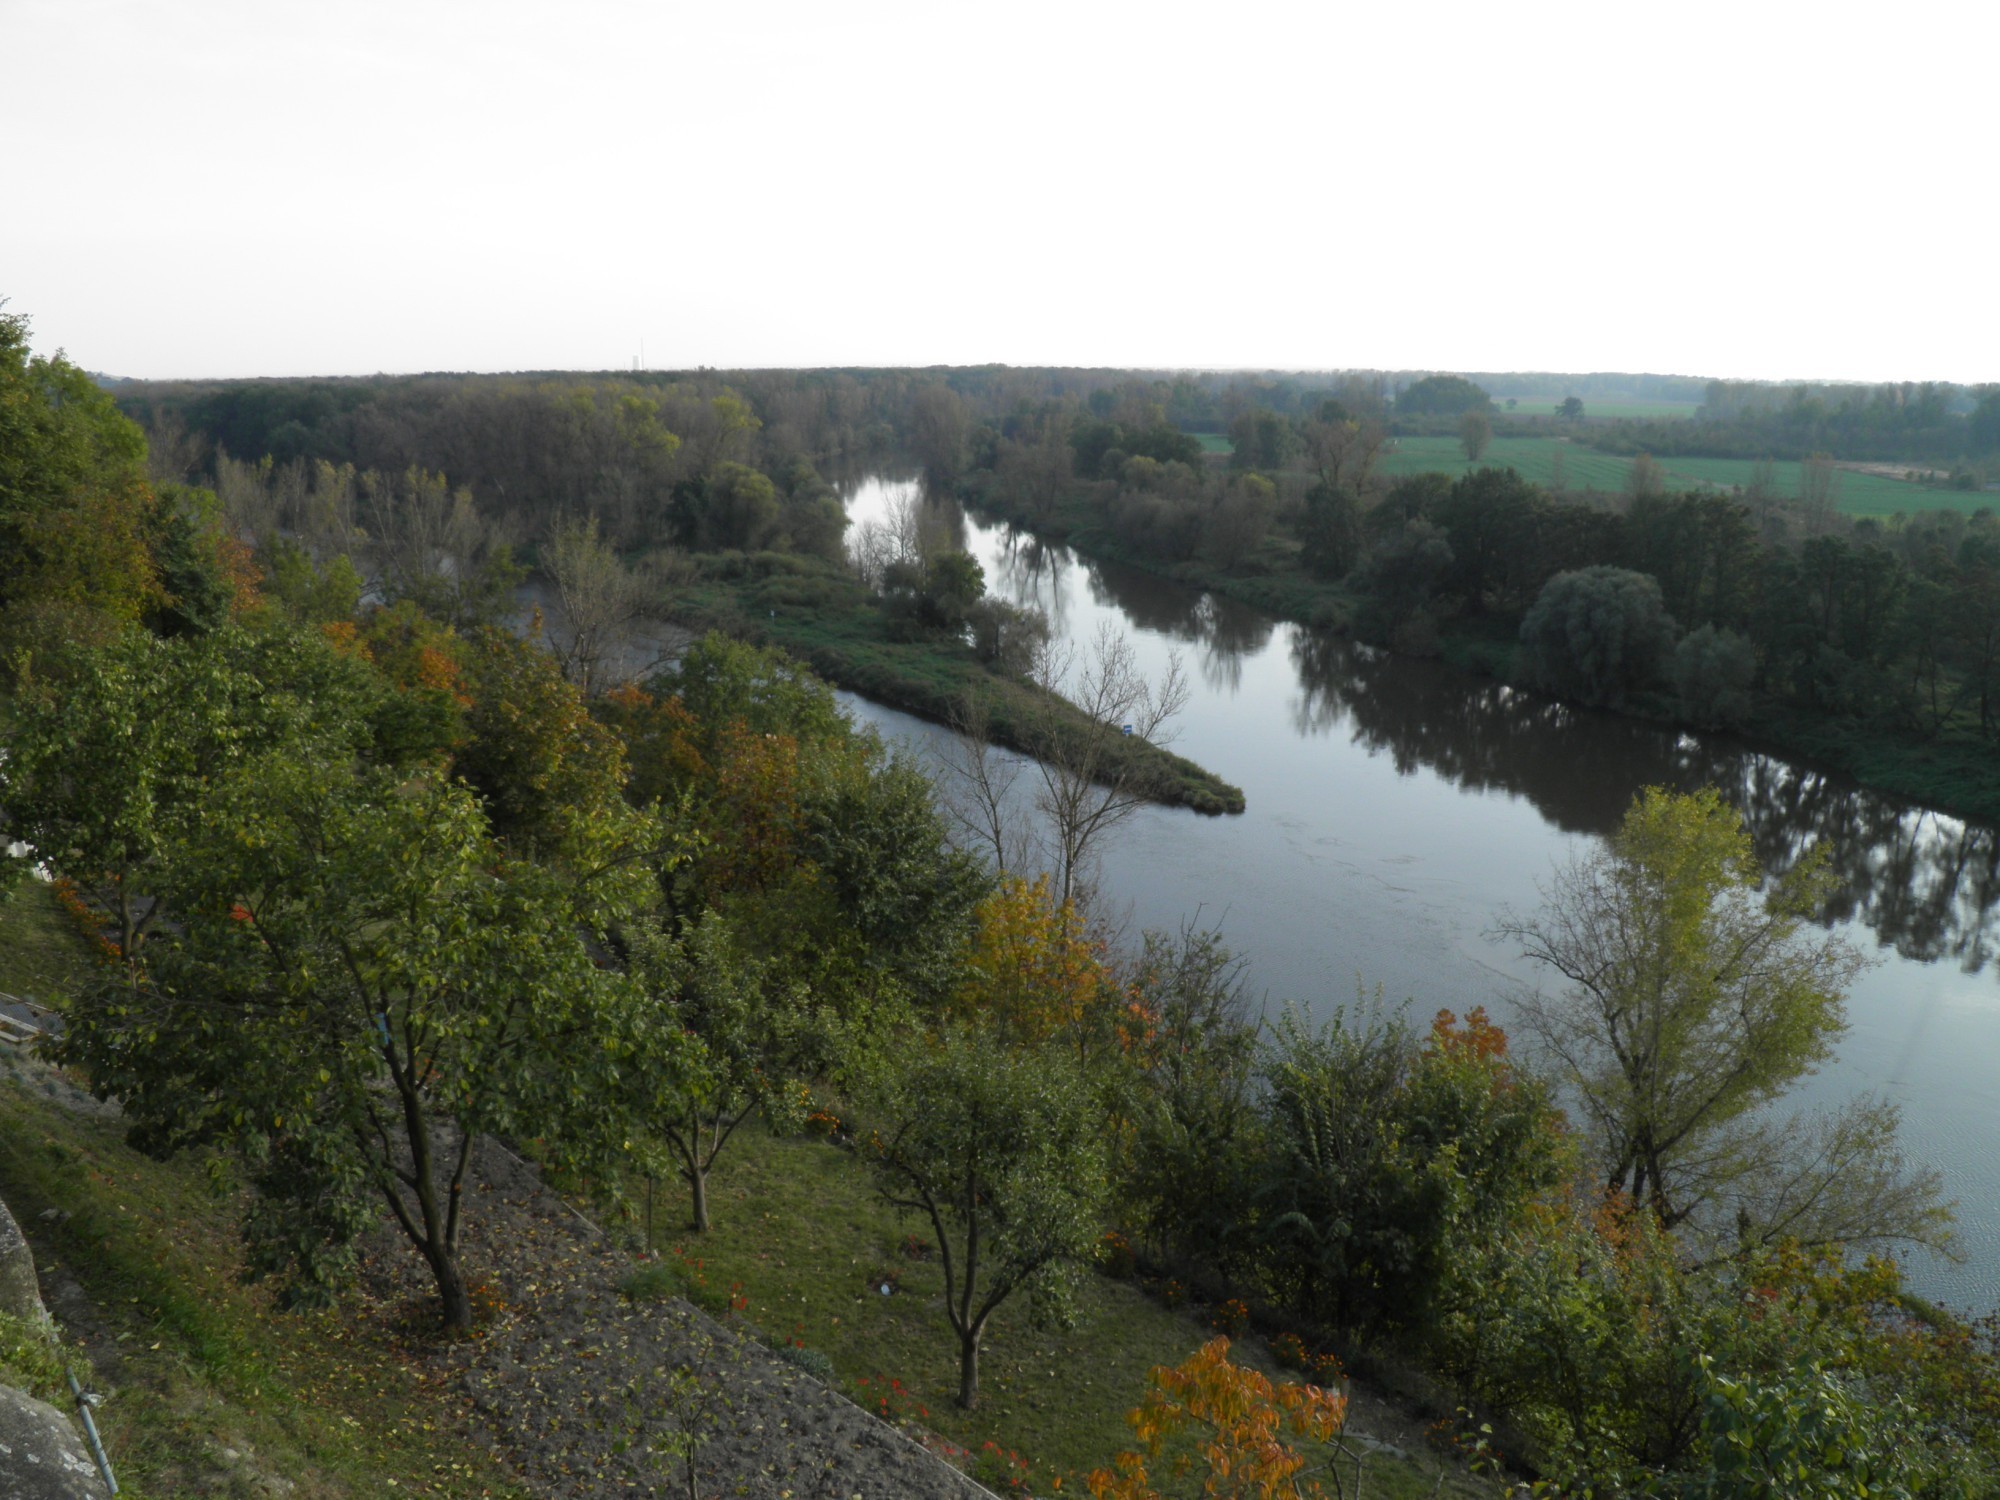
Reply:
x=1442, y=396
x=1390, y=1159
x=1712, y=673
x=361, y=984
x=115, y=750
x=1087, y=783
x=431, y=545
x=1693, y=1000
x=1032, y=976
x=1194, y=1117
x=1647, y=477
x=717, y=1036
x=1002, y=1152
x=1571, y=409
x=1595, y=634
x=1330, y=530
x=74, y=502
x=602, y=599
x=940, y=423
x=1475, y=432
x=1238, y=520
x=1819, y=489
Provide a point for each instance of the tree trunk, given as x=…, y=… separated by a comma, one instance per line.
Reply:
x=968, y=1369
x=452, y=1295
x=698, y=1191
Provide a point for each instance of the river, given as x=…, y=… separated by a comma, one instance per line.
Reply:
x=1396, y=807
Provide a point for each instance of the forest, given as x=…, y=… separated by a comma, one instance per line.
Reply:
x=370, y=868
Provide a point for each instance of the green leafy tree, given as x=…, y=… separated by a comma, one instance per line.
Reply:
x=1330, y=530
x=1194, y=1116
x=362, y=982
x=1002, y=1153
x=74, y=503
x=1442, y=396
x=116, y=750
x=1694, y=998
x=716, y=1035
x=1713, y=671
x=1595, y=634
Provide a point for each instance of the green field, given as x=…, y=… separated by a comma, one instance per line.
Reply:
x=1649, y=411
x=1213, y=442
x=1534, y=458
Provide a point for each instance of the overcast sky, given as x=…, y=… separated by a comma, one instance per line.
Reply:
x=258, y=187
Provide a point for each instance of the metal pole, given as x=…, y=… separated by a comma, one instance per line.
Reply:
x=90, y=1431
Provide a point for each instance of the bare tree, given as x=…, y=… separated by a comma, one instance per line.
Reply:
x=910, y=531
x=431, y=544
x=1341, y=450
x=1082, y=780
x=979, y=789
x=602, y=601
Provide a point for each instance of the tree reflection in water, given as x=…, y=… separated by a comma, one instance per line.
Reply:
x=1927, y=884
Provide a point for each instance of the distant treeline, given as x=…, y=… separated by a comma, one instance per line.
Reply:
x=593, y=440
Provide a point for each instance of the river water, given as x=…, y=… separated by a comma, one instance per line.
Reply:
x=1395, y=808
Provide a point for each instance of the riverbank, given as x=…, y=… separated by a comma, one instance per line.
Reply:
x=822, y=615
x=1953, y=772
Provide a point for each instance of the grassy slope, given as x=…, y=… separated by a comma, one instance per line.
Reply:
x=798, y=1230
x=39, y=950
x=822, y=616
x=346, y=1404
x=198, y=1363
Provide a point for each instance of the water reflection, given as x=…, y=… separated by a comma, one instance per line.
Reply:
x=1925, y=884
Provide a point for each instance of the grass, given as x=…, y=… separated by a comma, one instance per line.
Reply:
x=1535, y=458
x=335, y=1402
x=41, y=954
x=1639, y=410
x=1214, y=442
x=820, y=614
x=799, y=1233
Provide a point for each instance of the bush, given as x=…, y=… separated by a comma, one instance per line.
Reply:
x=1392, y=1159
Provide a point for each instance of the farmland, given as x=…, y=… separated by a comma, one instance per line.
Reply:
x=1535, y=459
x=1640, y=411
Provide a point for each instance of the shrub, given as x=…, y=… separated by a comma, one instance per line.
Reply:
x=1231, y=1318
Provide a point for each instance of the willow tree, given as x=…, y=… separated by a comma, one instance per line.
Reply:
x=1696, y=994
